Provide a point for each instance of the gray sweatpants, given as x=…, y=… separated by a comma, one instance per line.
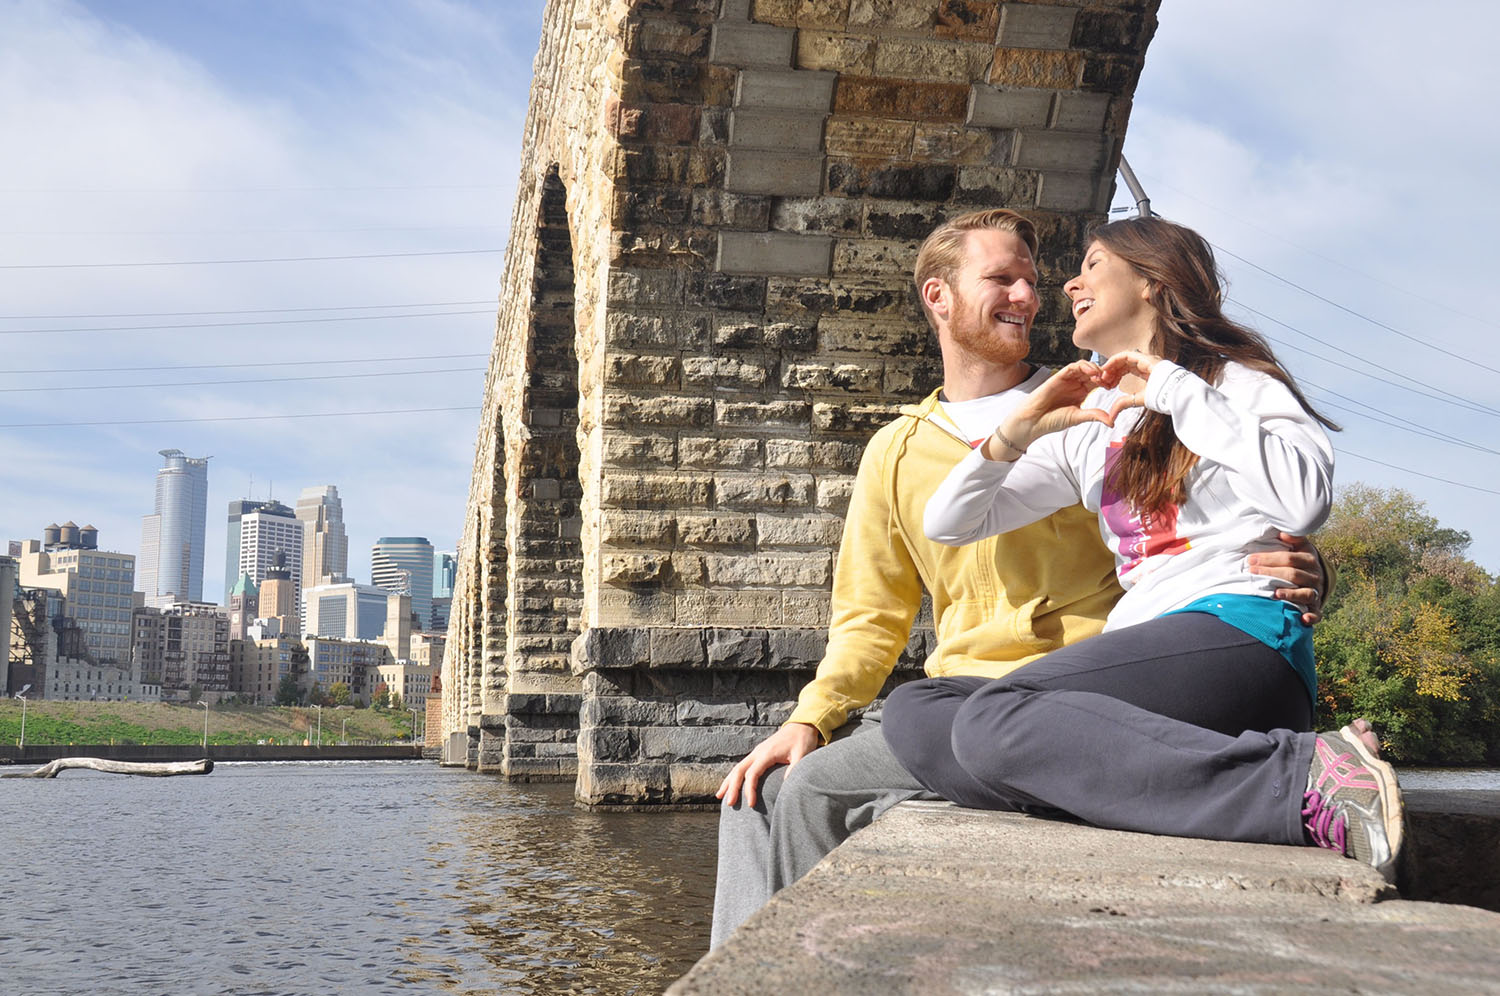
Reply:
x=802, y=813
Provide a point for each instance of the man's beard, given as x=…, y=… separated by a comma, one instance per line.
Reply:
x=970, y=332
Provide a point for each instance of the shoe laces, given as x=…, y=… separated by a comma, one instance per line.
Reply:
x=1325, y=824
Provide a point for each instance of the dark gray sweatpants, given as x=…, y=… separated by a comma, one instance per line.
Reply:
x=1182, y=725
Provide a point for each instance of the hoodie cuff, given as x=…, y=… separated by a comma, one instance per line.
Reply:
x=1165, y=377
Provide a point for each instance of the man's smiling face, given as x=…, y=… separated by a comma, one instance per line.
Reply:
x=993, y=298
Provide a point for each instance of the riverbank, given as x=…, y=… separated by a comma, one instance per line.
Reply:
x=163, y=723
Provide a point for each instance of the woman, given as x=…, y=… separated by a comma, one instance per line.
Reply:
x=1188, y=714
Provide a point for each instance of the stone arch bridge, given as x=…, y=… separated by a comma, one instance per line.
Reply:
x=705, y=312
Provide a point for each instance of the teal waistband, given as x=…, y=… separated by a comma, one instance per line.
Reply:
x=1273, y=622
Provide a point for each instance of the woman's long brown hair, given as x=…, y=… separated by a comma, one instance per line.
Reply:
x=1191, y=331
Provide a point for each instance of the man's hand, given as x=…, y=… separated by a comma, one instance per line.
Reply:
x=1297, y=565
x=787, y=746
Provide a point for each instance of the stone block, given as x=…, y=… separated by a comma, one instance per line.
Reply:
x=627, y=329
x=762, y=46
x=731, y=608
x=699, y=743
x=1024, y=67
x=819, y=298
x=970, y=20
x=874, y=257
x=613, y=646
x=736, y=648
x=633, y=568
x=884, y=337
x=687, y=569
x=798, y=647
x=754, y=171
x=822, y=531
x=716, y=530
x=774, y=252
x=723, y=371
x=955, y=144
x=1070, y=192
x=773, y=714
x=915, y=378
x=891, y=15
x=674, y=38
x=1080, y=151
x=1025, y=25
x=628, y=410
x=727, y=291
x=694, y=713
x=677, y=648
x=621, y=528
x=623, y=607
x=734, y=10
x=992, y=107
x=654, y=491
x=937, y=60
x=1114, y=31
x=1111, y=74
x=836, y=51
x=863, y=419
x=808, y=570
x=793, y=90
x=996, y=186
x=637, y=288
x=699, y=451
x=1081, y=111
x=779, y=131
x=899, y=98
x=762, y=414
x=763, y=491
x=834, y=493
x=621, y=449
x=608, y=743
x=620, y=710
x=850, y=377
x=874, y=138
x=797, y=454
x=693, y=783
x=834, y=215
x=722, y=209
x=608, y=784
x=806, y=608
x=886, y=219
x=657, y=371
x=878, y=178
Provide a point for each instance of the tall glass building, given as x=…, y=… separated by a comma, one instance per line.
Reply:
x=403, y=564
x=170, y=566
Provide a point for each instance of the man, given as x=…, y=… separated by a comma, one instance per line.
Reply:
x=996, y=604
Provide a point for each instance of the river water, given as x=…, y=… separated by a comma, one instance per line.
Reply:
x=342, y=877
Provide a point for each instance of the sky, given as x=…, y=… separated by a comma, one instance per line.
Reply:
x=1326, y=147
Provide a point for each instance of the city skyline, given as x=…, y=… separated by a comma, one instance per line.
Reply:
x=165, y=138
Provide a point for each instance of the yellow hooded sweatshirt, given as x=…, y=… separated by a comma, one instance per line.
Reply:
x=996, y=604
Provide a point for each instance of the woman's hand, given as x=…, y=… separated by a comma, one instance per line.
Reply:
x=1054, y=406
x=1130, y=363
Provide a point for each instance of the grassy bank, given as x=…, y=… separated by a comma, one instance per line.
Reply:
x=162, y=723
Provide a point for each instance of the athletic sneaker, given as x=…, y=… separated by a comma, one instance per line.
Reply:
x=1352, y=804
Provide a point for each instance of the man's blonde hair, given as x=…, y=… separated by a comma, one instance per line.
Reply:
x=943, y=251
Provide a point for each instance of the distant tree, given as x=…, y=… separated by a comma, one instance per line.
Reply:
x=382, y=699
x=195, y=692
x=287, y=692
x=316, y=696
x=339, y=694
x=396, y=702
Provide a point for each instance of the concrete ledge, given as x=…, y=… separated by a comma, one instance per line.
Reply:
x=932, y=898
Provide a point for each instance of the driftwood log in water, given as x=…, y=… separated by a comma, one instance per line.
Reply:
x=156, y=769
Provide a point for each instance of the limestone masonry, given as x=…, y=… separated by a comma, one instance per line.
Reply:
x=706, y=310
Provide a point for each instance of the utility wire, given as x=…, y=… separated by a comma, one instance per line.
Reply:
x=243, y=311
x=218, y=262
x=252, y=380
x=1457, y=399
x=233, y=418
x=229, y=325
x=1417, y=473
x=1350, y=311
x=237, y=366
x=1396, y=422
x=241, y=190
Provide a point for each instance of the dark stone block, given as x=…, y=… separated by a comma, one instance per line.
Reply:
x=858, y=178
x=727, y=292
x=736, y=648
x=1115, y=32
x=797, y=648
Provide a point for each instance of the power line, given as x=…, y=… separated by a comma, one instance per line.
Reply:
x=1408, y=470
x=227, y=325
x=1397, y=422
x=243, y=190
x=232, y=418
x=218, y=262
x=252, y=380
x=242, y=311
x=255, y=231
x=1350, y=311
x=237, y=366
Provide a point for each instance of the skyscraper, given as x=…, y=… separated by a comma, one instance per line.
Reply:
x=170, y=565
x=325, y=547
x=403, y=564
x=238, y=509
x=264, y=533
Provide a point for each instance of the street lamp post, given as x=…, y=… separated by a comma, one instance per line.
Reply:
x=22, y=696
x=413, y=712
x=320, y=725
x=344, y=731
x=205, y=726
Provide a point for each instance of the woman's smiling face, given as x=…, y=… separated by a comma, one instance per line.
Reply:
x=1110, y=306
